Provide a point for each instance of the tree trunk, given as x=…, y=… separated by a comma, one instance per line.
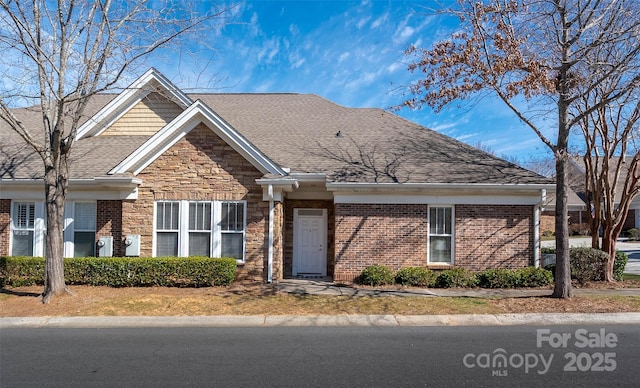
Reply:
x=609, y=246
x=55, y=193
x=562, y=288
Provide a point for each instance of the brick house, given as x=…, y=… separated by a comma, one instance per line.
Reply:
x=288, y=184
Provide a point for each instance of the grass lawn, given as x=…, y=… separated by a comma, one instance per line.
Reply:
x=258, y=299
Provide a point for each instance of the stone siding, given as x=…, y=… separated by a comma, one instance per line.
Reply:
x=201, y=166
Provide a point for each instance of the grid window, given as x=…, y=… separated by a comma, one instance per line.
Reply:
x=441, y=235
x=23, y=228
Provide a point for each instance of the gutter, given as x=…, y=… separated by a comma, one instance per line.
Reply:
x=335, y=186
x=536, y=228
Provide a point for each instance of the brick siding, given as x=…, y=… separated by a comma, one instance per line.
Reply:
x=201, y=166
x=109, y=223
x=493, y=236
x=369, y=234
x=5, y=222
x=396, y=236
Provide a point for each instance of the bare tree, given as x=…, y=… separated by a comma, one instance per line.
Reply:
x=56, y=55
x=611, y=161
x=531, y=51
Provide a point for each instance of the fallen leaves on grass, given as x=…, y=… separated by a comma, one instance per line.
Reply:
x=257, y=299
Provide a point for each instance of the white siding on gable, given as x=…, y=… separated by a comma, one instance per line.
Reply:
x=146, y=118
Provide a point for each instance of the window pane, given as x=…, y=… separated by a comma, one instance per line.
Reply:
x=22, y=243
x=200, y=216
x=167, y=215
x=167, y=244
x=199, y=244
x=85, y=216
x=232, y=244
x=23, y=215
x=84, y=244
x=232, y=217
x=440, y=249
x=440, y=220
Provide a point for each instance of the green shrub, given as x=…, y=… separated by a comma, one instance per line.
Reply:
x=21, y=271
x=634, y=233
x=618, y=265
x=587, y=264
x=124, y=271
x=514, y=278
x=535, y=277
x=456, y=277
x=499, y=278
x=376, y=275
x=416, y=276
x=548, y=250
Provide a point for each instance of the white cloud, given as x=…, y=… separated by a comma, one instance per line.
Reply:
x=379, y=21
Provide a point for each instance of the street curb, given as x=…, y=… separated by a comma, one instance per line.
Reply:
x=321, y=320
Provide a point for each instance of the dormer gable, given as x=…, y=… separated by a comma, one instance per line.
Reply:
x=196, y=114
x=152, y=98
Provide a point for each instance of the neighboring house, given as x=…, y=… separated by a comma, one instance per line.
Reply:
x=578, y=209
x=288, y=184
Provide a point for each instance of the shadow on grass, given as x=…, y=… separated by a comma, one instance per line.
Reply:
x=20, y=293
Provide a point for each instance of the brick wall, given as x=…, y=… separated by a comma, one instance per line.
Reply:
x=5, y=222
x=201, y=166
x=369, y=234
x=396, y=236
x=109, y=223
x=288, y=231
x=493, y=236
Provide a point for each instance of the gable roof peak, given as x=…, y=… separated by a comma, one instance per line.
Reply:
x=151, y=81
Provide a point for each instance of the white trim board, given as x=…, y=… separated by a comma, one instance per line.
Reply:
x=437, y=199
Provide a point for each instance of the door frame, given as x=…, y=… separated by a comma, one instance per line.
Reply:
x=296, y=234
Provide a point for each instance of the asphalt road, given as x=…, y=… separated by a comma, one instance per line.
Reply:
x=523, y=356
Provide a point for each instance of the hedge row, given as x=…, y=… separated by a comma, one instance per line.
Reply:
x=377, y=275
x=124, y=271
x=590, y=263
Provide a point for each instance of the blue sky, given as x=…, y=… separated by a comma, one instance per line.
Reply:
x=350, y=52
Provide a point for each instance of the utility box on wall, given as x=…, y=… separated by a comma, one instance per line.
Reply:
x=105, y=246
x=132, y=245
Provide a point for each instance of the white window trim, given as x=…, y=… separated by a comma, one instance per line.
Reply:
x=215, y=232
x=39, y=227
x=452, y=235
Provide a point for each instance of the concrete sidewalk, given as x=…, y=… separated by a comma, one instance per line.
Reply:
x=322, y=320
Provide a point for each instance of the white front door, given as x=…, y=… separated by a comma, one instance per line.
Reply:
x=310, y=242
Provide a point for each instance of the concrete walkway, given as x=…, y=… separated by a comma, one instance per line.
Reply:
x=325, y=287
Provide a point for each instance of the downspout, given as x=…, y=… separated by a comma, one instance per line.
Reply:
x=536, y=228
x=270, y=247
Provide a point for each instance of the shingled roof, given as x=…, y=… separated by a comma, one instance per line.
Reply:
x=303, y=133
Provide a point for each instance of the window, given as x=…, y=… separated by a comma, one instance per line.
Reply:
x=84, y=229
x=167, y=218
x=232, y=229
x=441, y=235
x=23, y=228
x=199, y=228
